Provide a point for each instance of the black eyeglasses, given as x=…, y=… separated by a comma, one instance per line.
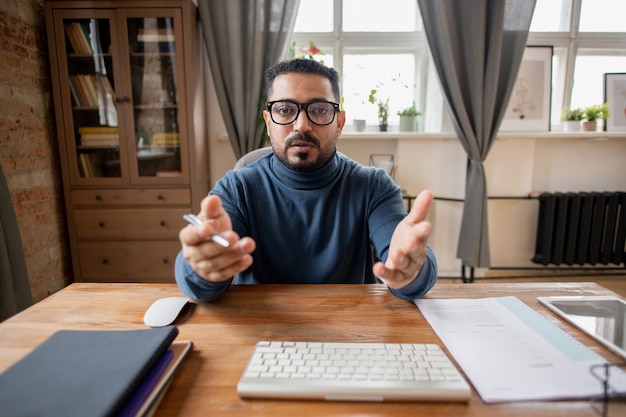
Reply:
x=319, y=112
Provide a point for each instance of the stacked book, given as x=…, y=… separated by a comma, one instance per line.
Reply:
x=155, y=35
x=166, y=139
x=89, y=90
x=99, y=136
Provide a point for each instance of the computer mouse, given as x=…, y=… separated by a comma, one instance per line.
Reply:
x=164, y=311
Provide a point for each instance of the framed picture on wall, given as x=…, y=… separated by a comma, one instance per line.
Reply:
x=615, y=97
x=529, y=105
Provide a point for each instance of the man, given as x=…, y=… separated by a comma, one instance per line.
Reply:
x=305, y=213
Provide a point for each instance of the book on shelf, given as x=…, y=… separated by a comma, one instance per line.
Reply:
x=76, y=95
x=79, y=38
x=155, y=35
x=91, y=90
x=82, y=89
x=97, y=129
x=89, y=165
x=169, y=173
x=98, y=136
x=166, y=139
x=103, y=142
x=76, y=373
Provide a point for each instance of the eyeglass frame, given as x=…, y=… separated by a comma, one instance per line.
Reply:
x=302, y=106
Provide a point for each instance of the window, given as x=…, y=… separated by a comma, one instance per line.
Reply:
x=582, y=54
x=373, y=46
x=377, y=16
x=382, y=45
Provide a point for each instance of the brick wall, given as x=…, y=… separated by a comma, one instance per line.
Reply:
x=28, y=147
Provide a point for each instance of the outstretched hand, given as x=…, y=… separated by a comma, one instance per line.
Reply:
x=407, y=249
x=211, y=261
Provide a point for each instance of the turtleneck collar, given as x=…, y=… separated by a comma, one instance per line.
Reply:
x=306, y=180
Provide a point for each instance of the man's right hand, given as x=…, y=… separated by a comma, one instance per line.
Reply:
x=211, y=261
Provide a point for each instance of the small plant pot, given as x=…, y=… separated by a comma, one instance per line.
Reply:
x=382, y=127
x=408, y=123
x=571, y=126
x=359, y=125
x=589, y=126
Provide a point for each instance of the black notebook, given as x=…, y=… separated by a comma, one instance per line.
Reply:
x=78, y=373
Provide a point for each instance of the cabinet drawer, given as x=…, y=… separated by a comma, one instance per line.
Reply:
x=159, y=196
x=158, y=223
x=127, y=261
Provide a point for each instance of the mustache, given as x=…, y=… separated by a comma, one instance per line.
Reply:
x=302, y=137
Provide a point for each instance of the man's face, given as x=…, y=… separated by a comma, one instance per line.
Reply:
x=303, y=145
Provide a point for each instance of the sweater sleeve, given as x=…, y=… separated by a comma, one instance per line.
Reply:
x=193, y=286
x=425, y=280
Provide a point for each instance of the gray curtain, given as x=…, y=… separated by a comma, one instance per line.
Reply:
x=243, y=38
x=477, y=48
x=15, y=293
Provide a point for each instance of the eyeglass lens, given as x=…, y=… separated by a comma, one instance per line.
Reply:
x=319, y=112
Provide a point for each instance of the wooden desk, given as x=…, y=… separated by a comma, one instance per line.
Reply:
x=224, y=333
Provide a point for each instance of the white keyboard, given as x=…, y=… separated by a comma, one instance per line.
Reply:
x=352, y=372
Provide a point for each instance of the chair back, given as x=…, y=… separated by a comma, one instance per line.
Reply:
x=252, y=156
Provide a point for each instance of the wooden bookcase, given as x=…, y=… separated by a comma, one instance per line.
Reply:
x=129, y=106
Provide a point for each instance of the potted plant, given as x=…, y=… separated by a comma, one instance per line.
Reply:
x=571, y=119
x=383, y=109
x=591, y=115
x=408, y=118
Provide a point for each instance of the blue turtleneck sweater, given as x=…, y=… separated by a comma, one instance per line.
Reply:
x=310, y=228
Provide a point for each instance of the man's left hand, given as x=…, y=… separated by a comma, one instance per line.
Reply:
x=407, y=249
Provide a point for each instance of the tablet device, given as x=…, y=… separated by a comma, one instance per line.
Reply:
x=601, y=317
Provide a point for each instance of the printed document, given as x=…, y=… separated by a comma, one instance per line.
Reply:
x=511, y=353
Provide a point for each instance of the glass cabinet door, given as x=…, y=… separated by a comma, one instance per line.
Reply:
x=156, y=151
x=91, y=85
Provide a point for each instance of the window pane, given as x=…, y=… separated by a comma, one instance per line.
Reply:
x=393, y=76
x=314, y=16
x=589, y=78
x=379, y=16
x=551, y=16
x=603, y=16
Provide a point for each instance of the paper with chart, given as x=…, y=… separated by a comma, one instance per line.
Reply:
x=511, y=353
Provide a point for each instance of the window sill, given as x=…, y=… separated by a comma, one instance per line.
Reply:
x=502, y=136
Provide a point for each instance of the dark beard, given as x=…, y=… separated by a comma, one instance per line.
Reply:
x=303, y=165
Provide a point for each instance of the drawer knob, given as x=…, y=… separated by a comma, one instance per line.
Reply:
x=162, y=223
x=101, y=224
x=166, y=261
x=98, y=197
x=105, y=261
x=160, y=197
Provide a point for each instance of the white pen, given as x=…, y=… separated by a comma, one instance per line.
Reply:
x=220, y=240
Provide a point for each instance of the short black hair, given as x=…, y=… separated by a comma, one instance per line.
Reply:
x=308, y=66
